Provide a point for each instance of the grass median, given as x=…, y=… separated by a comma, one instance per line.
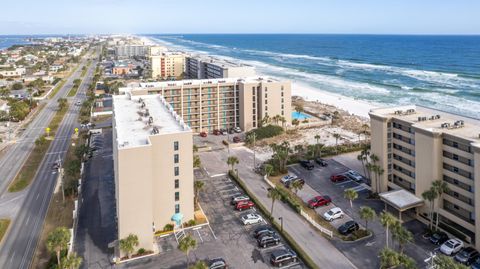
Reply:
x=4, y=223
x=30, y=167
x=297, y=248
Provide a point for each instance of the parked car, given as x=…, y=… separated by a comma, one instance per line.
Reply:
x=353, y=175
x=337, y=178
x=236, y=139
x=237, y=130
x=244, y=205
x=203, y=134
x=333, y=214
x=267, y=240
x=321, y=162
x=438, y=238
x=289, y=183
x=239, y=198
x=223, y=132
x=251, y=218
x=307, y=164
x=217, y=263
x=262, y=231
x=476, y=264
x=216, y=132
x=78, y=103
x=287, y=178
x=281, y=257
x=318, y=201
x=451, y=246
x=348, y=227
x=467, y=256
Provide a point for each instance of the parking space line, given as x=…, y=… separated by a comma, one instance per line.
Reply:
x=344, y=182
x=218, y=175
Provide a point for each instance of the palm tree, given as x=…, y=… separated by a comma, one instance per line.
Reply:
x=365, y=131
x=128, y=244
x=296, y=186
x=273, y=194
x=232, y=161
x=198, y=186
x=62, y=103
x=268, y=168
x=57, y=241
x=402, y=236
x=389, y=258
x=295, y=122
x=72, y=261
x=445, y=262
x=440, y=187
x=317, y=139
x=336, y=136
x=430, y=195
x=298, y=149
x=367, y=214
x=186, y=244
x=387, y=220
x=299, y=108
x=283, y=120
x=351, y=195
x=197, y=162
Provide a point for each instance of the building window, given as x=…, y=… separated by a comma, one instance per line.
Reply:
x=177, y=171
x=177, y=196
x=177, y=183
x=266, y=108
x=177, y=208
x=175, y=158
x=266, y=95
x=282, y=94
x=175, y=145
x=266, y=101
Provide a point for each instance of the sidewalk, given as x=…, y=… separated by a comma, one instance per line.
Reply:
x=320, y=249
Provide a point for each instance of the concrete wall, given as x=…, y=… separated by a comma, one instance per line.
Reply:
x=379, y=147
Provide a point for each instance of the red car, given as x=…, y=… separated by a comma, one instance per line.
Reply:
x=236, y=139
x=337, y=178
x=217, y=132
x=244, y=205
x=203, y=134
x=319, y=201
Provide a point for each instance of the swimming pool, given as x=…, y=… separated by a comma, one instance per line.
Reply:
x=300, y=115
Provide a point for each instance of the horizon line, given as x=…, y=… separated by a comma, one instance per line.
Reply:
x=246, y=33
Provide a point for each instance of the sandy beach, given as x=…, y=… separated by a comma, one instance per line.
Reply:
x=352, y=106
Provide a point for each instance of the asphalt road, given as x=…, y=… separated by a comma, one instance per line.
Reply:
x=20, y=242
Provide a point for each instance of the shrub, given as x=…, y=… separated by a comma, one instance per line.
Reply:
x=264, y=132
x=168, y=227
x=191, y=222
x=141, y=251
x=225, y=142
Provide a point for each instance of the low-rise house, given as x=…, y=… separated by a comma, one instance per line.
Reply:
x=13, y=72
x=21, y=94
x=4, y=106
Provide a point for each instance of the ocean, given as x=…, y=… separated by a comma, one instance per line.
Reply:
x=442, y=72
x=10, y=40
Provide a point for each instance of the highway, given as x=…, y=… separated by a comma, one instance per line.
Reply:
x=19, y=244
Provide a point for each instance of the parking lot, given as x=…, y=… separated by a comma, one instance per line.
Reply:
x=215, y=141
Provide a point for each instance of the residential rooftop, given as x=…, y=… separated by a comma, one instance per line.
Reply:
x=434, y=120
x=139, y=117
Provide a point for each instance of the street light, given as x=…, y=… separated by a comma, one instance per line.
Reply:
x=281, y=223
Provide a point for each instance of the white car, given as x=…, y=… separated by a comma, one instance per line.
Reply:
x=239, y=198
x=288, y=178
x=251, y=218
x=237, y=130
x=451, y=246
x=333, y=214
x=353, y=175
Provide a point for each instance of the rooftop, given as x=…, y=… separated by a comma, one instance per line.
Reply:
x=139, y=117
x=401, y=199
x=187, y=82
x=434, y=120
x=218, y=61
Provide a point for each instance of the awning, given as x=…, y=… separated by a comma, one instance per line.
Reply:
x=401, y=199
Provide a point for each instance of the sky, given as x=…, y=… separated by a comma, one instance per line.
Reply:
x=244, y=16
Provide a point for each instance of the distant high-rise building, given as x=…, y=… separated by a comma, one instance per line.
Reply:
x=197, y=67
x=125, y=51
x=167, y=65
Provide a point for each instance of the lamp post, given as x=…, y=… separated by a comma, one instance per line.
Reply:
x=281, y=223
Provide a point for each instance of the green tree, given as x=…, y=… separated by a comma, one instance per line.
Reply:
x=268, y=169
x=19, y=110
x=4, y=92
x=350, y=194
x=72, y=261
x=187, y=244
x=129, y=243
x=440, y=187
x=198, y=187
x=296, y=185
x=336, y=136
x=281, y=154
x=389, y=258
x=367, y=214
x=299, y=108
x=295, y=123
x=199, y=265
x=232, y=161
x=445, y=262
x=430, y=195
x=401, y=235
x=387, y=220
x=273, y=194
x=17, y=86
x=62, y=103
x=197, y=162
x=57, y=241
x=365, y=131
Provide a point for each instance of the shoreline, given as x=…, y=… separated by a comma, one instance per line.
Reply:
x=358, y=108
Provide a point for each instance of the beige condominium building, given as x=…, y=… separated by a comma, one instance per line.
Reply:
x=153, y=166
x=201, y=67
x=206, y=105
x=417, y=145
x=167, y=65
